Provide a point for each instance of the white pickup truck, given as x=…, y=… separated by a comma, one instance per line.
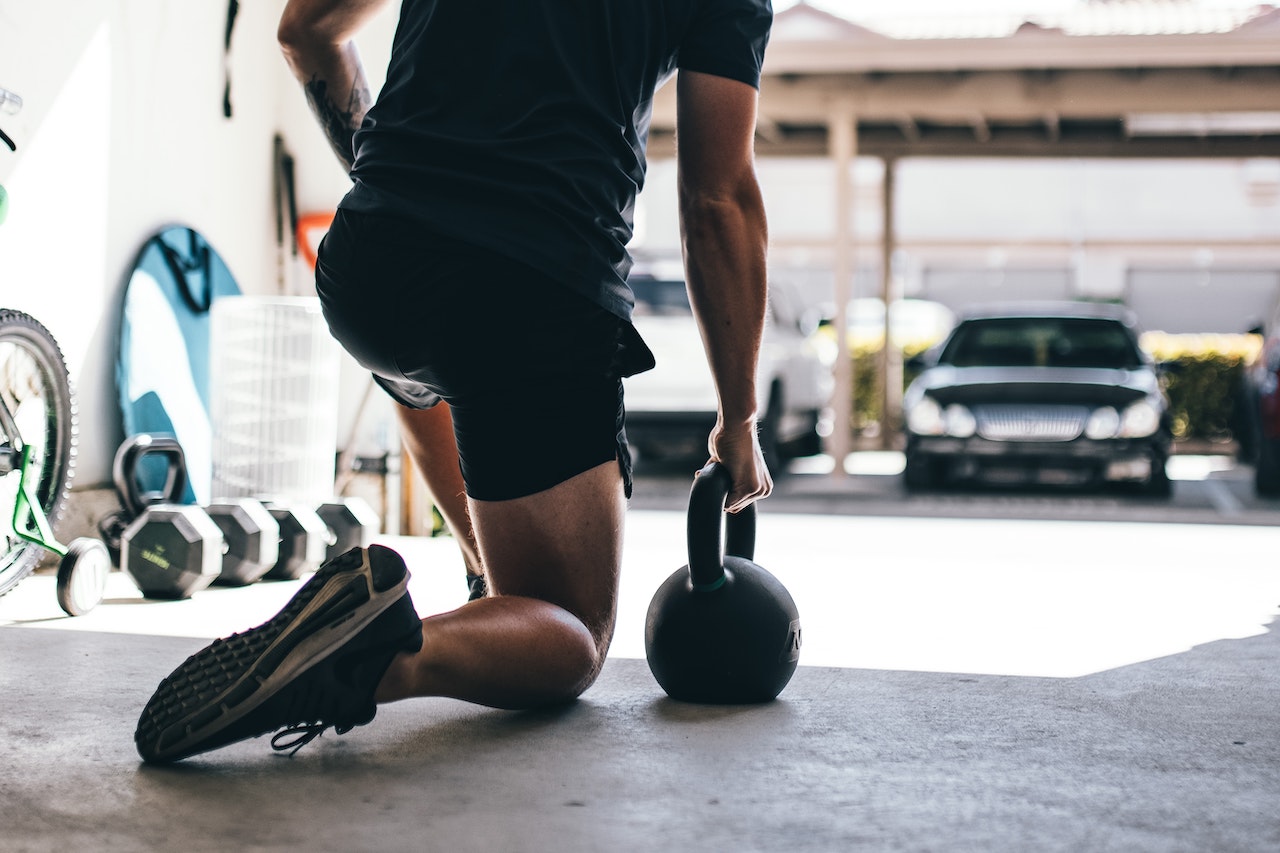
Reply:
x=672, y=408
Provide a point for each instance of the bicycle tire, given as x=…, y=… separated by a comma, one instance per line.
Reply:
x=40, y=411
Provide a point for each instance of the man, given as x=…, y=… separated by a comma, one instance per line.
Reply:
x=480, y=259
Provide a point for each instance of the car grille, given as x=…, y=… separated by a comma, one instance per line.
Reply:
x=1030, y=423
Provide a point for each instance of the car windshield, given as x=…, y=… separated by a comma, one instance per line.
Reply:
x=660, y=297
x=1042, y=342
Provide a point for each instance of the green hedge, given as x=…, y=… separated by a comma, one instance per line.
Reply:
x=1202, y=376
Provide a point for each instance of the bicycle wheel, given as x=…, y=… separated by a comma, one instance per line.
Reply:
x=37, y=410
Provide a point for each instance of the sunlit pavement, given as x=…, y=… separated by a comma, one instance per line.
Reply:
x=890, y=463
x=1206, y=489
x=1001, y=597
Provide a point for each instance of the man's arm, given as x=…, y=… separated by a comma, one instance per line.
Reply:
x=724, y=233
x=316, y=37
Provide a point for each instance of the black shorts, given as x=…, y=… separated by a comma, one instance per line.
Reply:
x=531, y=371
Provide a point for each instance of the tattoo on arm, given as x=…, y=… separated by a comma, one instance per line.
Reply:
x=339, y=122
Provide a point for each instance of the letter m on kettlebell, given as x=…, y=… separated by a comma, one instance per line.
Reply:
x=792, y=650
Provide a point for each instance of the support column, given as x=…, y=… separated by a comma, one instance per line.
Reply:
x=890, y=362
x=842, y=133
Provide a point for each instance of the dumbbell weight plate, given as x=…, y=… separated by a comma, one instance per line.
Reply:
x=172, y=551
x=303, y=540
x=252, y=538
x=352, y=523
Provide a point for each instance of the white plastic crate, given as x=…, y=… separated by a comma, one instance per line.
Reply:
x=274, y=398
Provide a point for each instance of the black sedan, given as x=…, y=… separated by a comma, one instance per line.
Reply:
x=1046, y=393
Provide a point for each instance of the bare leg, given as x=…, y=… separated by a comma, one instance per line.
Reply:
x=428, y=435
x=552, y=561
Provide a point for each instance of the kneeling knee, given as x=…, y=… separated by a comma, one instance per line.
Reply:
x=577, y=666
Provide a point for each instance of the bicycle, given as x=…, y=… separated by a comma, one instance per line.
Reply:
x=38, y=438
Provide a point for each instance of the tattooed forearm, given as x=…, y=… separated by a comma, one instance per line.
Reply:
x=339, y=122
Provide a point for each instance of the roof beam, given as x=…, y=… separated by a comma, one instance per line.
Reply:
x=1009, y=95
x=1103, y=140
x=1253, y=46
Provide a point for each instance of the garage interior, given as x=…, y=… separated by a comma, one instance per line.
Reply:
x=1132, y=738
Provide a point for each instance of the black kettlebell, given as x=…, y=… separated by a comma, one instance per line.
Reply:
x=143, y=460
x=721, y=630
x=133, y=471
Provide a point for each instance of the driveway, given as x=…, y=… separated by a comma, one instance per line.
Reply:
x=1206, y=490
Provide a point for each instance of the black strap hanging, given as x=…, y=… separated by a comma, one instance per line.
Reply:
x=232, y=9
x=190, y=271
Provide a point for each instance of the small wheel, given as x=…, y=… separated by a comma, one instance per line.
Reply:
x=920, y=473
x=1159, y=485
x=1266, y=468
x=82, y=576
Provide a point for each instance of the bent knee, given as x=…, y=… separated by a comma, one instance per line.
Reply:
x=572, y=644
x=579, y=663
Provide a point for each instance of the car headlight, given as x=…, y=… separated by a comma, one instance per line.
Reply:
x=927, y=417
x=958, y=421
x=1103, y=423
x=1138, y=420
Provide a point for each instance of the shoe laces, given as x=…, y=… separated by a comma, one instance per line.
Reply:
x=319, y=703
x=294, y=738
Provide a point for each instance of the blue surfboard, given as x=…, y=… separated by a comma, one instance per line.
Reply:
x=163, y=358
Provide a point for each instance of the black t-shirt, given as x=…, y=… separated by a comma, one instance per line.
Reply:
x=520, y=125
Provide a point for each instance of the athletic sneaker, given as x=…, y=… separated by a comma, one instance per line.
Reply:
x=314, y=665
x=476, y=587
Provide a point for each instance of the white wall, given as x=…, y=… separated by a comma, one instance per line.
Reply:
x=994, y=202
x=1092, y=223
x=1082, y=200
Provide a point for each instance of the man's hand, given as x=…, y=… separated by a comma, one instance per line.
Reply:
x=737, y=448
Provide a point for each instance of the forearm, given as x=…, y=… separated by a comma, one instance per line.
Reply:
x=725, y=240
x=316, y=38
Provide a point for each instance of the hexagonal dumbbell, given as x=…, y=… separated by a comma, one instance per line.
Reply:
x=252, y=539
x=352, y=523
x=303, y=539
x=171, y=551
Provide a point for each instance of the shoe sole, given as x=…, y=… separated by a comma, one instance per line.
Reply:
x=206, y=695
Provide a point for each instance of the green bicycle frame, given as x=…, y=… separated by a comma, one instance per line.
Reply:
x=29, y=520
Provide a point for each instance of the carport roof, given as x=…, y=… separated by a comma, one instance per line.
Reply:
x=1100, y=18
x=1146, y=78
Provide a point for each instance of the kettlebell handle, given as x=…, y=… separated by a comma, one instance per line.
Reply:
x=126, y=465
x=706, y=509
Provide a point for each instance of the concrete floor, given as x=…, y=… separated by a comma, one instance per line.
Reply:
x=943, y=704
